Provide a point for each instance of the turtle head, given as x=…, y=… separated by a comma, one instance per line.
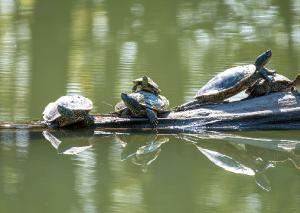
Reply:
x=131, y=103
x=64, y=111
x=297, y=80
x=263, y=59
x=144, y=81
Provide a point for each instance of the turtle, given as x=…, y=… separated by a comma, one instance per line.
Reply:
x=145, y=83
x=68, y=110
x=279, y=83
x=143, y=104
x=230, y=82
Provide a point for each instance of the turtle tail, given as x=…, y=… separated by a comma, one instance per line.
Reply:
x=297, y=80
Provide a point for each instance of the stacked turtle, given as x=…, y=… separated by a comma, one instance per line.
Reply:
x=144, y=101
x=279, y=83
x=230, y=82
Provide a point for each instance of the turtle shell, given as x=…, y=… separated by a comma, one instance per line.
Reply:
x=228, y=83
x=157, y=103
x=76, y=103
x=151, y=87
x=261, y=87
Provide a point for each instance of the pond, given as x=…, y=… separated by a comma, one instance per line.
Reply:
x=96, y=48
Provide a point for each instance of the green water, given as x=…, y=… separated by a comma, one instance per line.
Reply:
x=49, y=48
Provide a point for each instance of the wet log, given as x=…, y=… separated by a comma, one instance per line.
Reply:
x=274, y=111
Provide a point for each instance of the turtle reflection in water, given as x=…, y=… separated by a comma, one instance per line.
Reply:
x=230, y=82
x=69, y=147
x=242, y=158
x=141, y=155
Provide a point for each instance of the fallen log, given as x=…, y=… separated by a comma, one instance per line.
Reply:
x=275, y=111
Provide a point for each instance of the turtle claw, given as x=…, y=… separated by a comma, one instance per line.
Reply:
x=154, y=123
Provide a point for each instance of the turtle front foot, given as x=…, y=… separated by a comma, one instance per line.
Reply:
x=154, y=123
x=152, y=118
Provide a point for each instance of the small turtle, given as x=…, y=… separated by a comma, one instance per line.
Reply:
x=145, y=83
x=68, y=110
x=279, y=83
x=230, y=82
x=142, y=103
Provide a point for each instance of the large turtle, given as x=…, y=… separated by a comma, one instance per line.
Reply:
x=279, y=83
x=145, y=83
x=68, y=110
x=230, y=82
x=143, y=104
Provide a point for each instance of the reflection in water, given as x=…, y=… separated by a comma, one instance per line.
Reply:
x=13, y=151
x=141, y=172
x=70, y=146
x=236, y=154
x=141, y=154
x=245, y=155
x=85, y=181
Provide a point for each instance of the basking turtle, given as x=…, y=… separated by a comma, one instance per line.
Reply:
x=230, y=82
x=145, y=83
x=279, y=83
x=68, y=110
x=142, y=103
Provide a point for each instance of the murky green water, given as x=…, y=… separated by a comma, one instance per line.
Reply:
x=49, y=48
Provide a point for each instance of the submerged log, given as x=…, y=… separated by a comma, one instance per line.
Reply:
x=274, y=111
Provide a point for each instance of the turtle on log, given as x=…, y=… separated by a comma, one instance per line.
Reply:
x=67, y=110
x=145, y=83
x=280, y=83
x=230, y=82
x=143, y=104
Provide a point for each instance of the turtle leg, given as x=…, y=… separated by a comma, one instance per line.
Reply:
x=269, y=72
x=65, y=111
x=152, y=117
x=89, y=121
x=265, y=74
x=125, y=113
